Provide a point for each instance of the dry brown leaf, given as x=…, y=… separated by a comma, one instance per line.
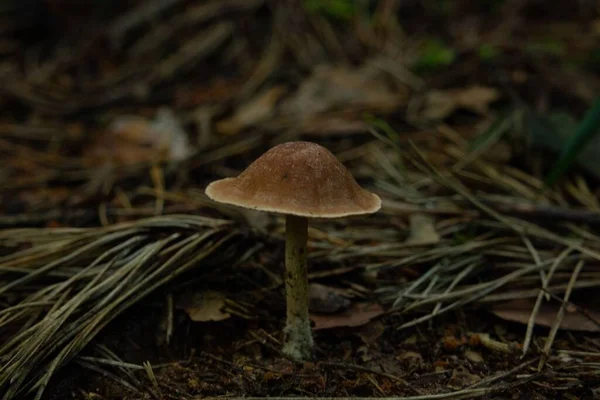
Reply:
x=332, y=125
x=204, y=306
x=520, y=311
x=474, y=356
x=219, y=90
x=258, y=109
x=330, y=88
x=439, y=104
x=371, y=332
x=325, y=299
x=357, y=315
x=461, y=377
x=410, y=357
x=135, y=139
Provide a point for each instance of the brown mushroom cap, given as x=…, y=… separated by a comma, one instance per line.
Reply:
x=297, y=178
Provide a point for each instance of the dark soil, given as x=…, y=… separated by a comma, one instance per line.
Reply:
x=239, y=357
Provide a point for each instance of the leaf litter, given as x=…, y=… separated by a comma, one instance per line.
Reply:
x=441, y=104
x=106, y=234
x=135, y=139
x=574, y=319
x=204, y=306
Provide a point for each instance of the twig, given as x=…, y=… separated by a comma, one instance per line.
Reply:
x=538, y=301
x=491, y=379
x=170, y=307
x=536, y=257
x=369, y=370
x=137, y=16
x=459, y=277
x=559, y=316
x=112, y=362
x=109, y=375
x=262, y=341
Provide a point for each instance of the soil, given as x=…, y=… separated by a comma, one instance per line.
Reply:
x=240, y=357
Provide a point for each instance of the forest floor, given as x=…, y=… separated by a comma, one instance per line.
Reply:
x=120, y=279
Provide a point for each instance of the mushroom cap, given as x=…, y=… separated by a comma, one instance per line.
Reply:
x=297, y=178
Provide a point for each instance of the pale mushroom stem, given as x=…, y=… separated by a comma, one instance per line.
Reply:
x=298, y=342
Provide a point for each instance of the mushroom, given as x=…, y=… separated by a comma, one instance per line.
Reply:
x=300, y=180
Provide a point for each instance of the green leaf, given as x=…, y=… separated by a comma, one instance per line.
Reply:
x=585, y=132
x=435, y=54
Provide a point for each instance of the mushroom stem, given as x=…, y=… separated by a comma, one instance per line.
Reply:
x=298, y=342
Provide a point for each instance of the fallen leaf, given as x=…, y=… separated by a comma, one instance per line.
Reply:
x=357, y=315
x=135, y=139
x=520, y=310
x=327, y=125
x=408, y=360
x=204, y=306
x=329, y=88
x=371, y=332
x=422, y=230
x=325, y=299
x=461, y=377
x=410, y=357
x=258, y=109
x=413, y=339
x=439, y=104
x=217, y=91
x=473, y=356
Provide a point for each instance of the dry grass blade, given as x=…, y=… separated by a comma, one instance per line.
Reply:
x=538, y=301
x=88, y=278
x=560, y=315
x=508, y=252
x=151, y=376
